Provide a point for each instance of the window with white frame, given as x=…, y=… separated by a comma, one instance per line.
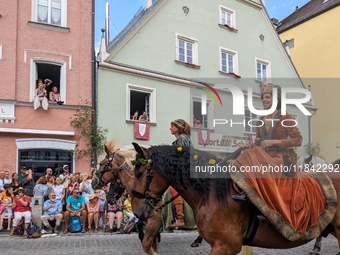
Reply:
x=228, y=61
x=52, y=69
x=50, y=12
x=263, y=70
x=141, y=99
x=198, y=119
x=186, y=49
x=227, y=16
x=249, y=116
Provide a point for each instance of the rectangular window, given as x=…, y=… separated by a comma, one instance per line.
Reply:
x=186, y=51
x=227, y=16
x=263, y=70
x=51, y=72
x=199, y=120
x=141, y=99
x=227, y=62
x=252, y=127
x=50, y=12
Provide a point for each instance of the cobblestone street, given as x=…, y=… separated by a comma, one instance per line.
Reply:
x=173, y=244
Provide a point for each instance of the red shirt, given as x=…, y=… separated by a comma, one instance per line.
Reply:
x=20, y=207
x=76, y=184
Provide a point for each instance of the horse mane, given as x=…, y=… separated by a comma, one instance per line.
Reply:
x=127, y=154
x=175, y=167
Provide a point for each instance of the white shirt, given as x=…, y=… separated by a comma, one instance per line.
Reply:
x=7, y=181
x=2, y=184
x=58, y=190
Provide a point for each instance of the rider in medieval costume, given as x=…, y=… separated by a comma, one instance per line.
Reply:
x=184, y=214
x=299, y=201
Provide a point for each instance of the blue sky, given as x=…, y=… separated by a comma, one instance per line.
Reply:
x=122, y=11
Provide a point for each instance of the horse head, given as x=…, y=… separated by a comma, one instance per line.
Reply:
x=149, y=185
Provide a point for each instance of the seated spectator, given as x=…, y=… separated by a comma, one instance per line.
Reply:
x=7, y=212
x=65, y=177
x=93, y=211
x=28, y=184
x=49, y=185
x=115, y=212
x=135, y=115
x=40, y=188
x=144, y=117
x=7, y=180
x=21, y=208
x=73, y=184
x=86, y=187
x=128, y=209
x=59, y=190
x=55, y=96
x=16, y=183
x=52, y=211
x=47, y=82
x=7, y=192
x=75, y=206
x=48, y=171
x=78, y=177
x=40, y=96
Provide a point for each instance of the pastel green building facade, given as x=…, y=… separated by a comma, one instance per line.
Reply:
x=146, y=56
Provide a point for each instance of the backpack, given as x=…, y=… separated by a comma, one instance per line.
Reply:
x=34, y=231
x=75, y=226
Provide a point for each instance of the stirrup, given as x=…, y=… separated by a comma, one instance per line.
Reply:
x=242, y=197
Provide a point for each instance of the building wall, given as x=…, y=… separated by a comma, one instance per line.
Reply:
x=317, y=59
x=22, y=42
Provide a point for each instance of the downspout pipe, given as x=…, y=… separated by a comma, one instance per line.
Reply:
x=310, y=122
x=93, y=70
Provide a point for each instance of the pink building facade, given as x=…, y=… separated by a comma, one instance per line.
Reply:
x=47, y=39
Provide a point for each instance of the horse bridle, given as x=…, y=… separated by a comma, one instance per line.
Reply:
x=108, y=168
x=146, y=195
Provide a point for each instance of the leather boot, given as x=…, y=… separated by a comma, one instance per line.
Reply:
x=179, y=224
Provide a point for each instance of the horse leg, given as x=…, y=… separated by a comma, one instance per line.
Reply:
x=317, y=246
x=219, y=248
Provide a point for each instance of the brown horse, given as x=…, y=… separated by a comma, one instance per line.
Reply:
x=121, y=170
x=222, y=222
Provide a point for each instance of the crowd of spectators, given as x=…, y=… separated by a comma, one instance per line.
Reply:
x=63, y=196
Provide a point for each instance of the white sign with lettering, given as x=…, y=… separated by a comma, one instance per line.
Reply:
x=7, y=113
x=223, y=142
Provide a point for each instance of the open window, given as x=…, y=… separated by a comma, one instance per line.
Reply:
x=55, y=70
x=141, y=99
x=198, y=119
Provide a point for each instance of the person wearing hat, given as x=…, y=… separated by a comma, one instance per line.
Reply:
x=93, y=211
x=28, y=184
x=284, y=198
x=65, y=177
x=184, y=215
x=52, y=211
x=21, y=208
x=22, y=174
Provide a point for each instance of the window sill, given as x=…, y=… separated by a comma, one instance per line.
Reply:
x=228, y=28
x=259, y=81
x=137, y=121
x=187, y=64
x=48, y=26
x=230, y=75
x=203, y=128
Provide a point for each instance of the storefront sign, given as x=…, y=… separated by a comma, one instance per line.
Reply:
x=223, y=142
x=7, y=113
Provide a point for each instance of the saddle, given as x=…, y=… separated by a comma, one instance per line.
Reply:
x=278, y=221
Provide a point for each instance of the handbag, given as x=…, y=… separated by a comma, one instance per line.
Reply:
x=34, y=230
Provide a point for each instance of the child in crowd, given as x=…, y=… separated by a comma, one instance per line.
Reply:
x=40, y=188
x=101, y=199
x=7, y=212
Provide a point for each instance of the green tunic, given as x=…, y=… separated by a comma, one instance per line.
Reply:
x=167, y=212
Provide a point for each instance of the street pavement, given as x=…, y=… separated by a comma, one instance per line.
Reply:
x=171, y=244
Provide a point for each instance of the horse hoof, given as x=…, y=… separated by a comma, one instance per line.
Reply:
x=314, y=253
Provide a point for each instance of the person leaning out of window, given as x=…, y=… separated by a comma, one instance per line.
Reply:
x=55, y=96
x=135, y=115
x=144, y=117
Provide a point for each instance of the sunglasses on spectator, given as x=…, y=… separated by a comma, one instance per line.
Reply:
x=76, y=192
x=20, y=192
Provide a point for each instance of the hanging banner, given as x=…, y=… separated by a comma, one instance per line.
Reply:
x=142, y=131
x=203, y=136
